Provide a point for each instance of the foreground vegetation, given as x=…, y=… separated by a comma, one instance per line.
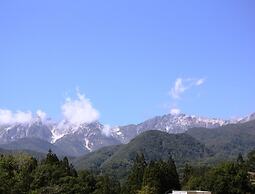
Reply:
x=24, y=174
x=225, y=178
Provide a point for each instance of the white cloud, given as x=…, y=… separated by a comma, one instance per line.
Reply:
x=41, y=114
x=22, y=117
x=5, y=116
x=175, y=111
x=79, y=111
x=178, y=88
x=181, y=85
x=9, y=117
x=200, y=81
x=106, y=130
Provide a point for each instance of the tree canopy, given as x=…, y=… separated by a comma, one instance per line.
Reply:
x=22, y=174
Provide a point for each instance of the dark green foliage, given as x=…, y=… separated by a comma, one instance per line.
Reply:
x=105, y=185
x=87, y=181
x=51, y=159
x=135, y=178
x=251, y=161
x=156, y=177
x=15, y=173
x=147, y=190
x=37, y=155
x=161, y=176
x=22, y=174
x=227, y=141
x=228, y=177
x=116, y=161
x=152, y=176
x=187, y=173
x=240, y=159
x=94, y=160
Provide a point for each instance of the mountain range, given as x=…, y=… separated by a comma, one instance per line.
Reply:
x=77, y=140
x=197, y=146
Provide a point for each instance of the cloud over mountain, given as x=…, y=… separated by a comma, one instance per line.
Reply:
x=175, y=111
x=80, y=110
x=9, y=117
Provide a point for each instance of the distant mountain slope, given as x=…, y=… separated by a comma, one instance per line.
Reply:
x=33, y=144
x=35, y=129
x=171, y=123
x=75, y=140
x=160, y=145
x=229, y=140
x=86, y=138
x=94, y=160
x=73, y=145
x=37, y=155
x=250, y=117
x=155, y=145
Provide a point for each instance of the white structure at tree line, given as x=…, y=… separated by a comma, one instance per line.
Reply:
x=191, y=192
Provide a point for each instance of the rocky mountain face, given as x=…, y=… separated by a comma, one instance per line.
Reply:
x=72, y=140
x=84, y=138
x=168, y=123
x=248, y=118
x=36, y=129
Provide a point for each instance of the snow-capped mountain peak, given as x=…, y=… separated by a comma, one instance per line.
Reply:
x=171, y=123
x=87, y=137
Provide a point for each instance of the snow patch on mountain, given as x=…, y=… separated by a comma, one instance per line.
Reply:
x=87, y=144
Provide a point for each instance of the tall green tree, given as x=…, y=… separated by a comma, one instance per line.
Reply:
x=187, y=173
x=135, y=178
x=240, y=159
x=106, y=185
x=229, y=177
x=162, y=176
x=21, y=174
x=147, y=190
x=251, y=161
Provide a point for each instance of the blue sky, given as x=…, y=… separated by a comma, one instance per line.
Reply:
x=126, y=57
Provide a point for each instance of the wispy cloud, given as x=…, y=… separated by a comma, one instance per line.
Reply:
x=180, y=86
x=200, y=81
x=183, y=84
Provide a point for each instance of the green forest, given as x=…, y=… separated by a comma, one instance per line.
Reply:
x=21, y=173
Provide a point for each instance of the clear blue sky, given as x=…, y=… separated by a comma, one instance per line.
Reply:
x=125, y=56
